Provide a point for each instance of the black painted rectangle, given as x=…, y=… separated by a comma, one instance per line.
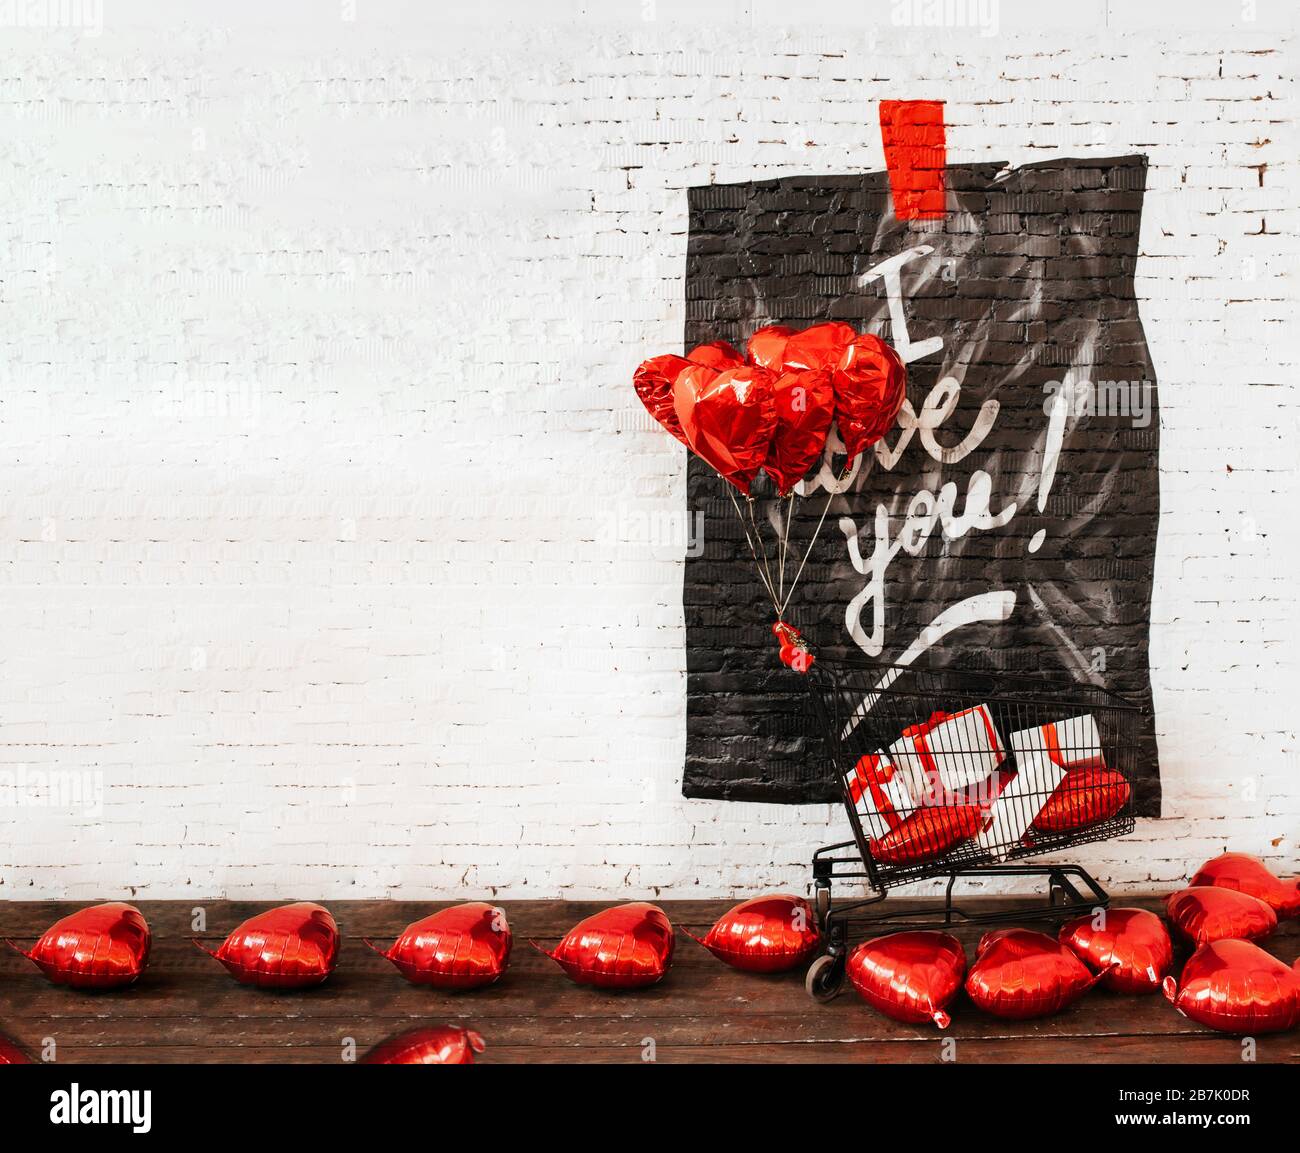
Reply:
x=1027, y=286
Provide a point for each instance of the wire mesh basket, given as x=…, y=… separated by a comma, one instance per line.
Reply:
x=965, y=774
x=974, y=768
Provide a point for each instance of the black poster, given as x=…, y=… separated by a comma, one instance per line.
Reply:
x=1007, y=523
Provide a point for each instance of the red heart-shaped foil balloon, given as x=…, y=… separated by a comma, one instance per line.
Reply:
x=1236, y=987
x=1085, y=797
x=1130, y=947
x=1204, y=913
x=1250, y=875
x=820, y=346
x=286, y=948
x=11, y=1053
x=101, y=947
x=462, y=947
x=870, y=385
x=805, y=407
x=928, y=832
x=653, y=381
x=767, y=347
x=764, y=935
x=729, y=418
x=910, y=976
x=443, y=1045
x=1020, y=974
x=717, y=355
x=625, y=947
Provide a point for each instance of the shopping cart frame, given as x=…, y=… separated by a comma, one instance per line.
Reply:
x=1069, y=889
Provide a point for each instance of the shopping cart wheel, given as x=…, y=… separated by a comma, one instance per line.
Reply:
x=824, y=977
x=822, y=903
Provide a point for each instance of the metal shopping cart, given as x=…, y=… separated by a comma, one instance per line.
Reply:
x=964, y=775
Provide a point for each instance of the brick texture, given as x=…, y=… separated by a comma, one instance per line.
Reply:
x=340, y=559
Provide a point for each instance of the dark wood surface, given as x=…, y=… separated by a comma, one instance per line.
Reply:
x=186, y=1008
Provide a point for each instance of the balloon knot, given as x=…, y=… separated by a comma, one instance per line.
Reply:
x=795, y=653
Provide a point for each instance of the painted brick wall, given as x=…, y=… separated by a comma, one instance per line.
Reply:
x=339, y=558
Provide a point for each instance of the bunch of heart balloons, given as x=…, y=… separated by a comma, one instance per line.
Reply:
x=1229, y=982
x=771, y=412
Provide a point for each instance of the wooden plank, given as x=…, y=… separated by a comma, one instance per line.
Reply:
x=186, y=1008
x=566, y=1006
x=1200, y=1050
x=586, y=1033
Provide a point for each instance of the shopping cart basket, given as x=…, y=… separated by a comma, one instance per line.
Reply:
x=964, y=775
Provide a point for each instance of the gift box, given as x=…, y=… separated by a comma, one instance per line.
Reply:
x=1043, y=755
x=948, y=753
x=880, y=794
x=1073, y=743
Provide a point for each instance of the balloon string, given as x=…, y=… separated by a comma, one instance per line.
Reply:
x=741, y=517
x=758, y=537
x=780, y=612
x=785, y=540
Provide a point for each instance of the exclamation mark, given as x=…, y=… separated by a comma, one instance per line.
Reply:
x=1051, y=454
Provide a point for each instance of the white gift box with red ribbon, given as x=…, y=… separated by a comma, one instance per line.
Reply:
x=948, y=753
x=1073, y=743
x=879, y=793
x=1043, y=754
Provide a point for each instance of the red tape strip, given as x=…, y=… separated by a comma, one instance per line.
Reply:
x=915, y=154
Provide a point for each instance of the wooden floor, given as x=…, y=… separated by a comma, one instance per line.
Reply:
x=187, y=1009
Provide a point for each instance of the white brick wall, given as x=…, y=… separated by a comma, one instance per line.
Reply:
x=318, y=320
